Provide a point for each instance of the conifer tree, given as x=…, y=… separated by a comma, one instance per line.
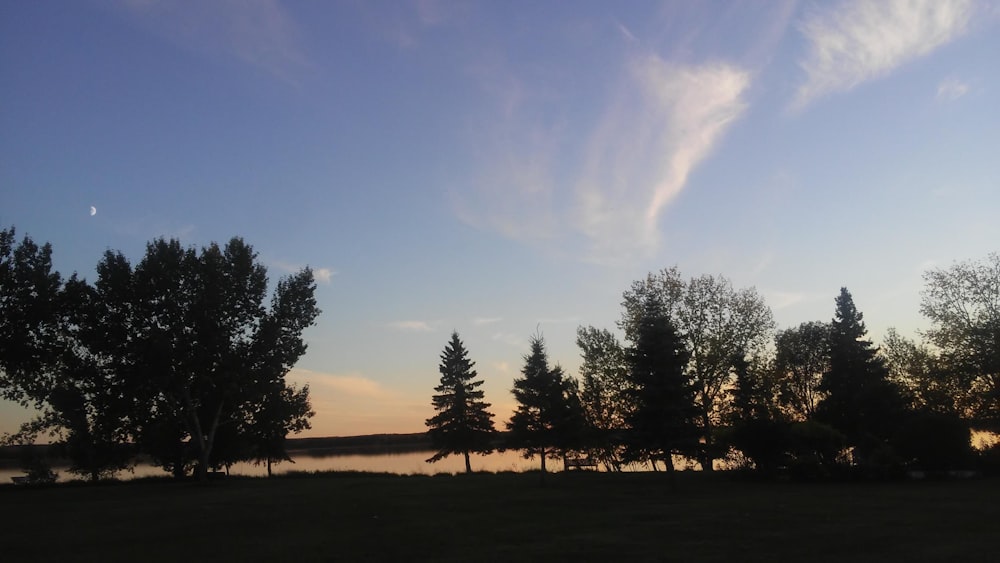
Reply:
x=664, y=416
x=462, y=424
x=549, y=417
x=861, y=401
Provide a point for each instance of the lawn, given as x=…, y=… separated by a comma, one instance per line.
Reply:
x=503, y=517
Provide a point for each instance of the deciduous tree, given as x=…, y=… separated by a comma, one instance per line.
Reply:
x=716, y=322
x=963, y=304
x=802, y=356
x=605, y=393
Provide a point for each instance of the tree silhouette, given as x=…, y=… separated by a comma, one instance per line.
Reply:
x=802, y=356
x=663, y=419
x=715, y=322
x=605, y=394
x=963, y=303
x=463, y=423
x=861, y=401
x=548, y=419
x=161, y=356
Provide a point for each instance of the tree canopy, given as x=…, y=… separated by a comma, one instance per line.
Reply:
x=161, y=356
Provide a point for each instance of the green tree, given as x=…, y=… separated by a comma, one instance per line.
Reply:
x=463, y=423
x=802, y=356
x=860, y=400
x=663, y=420
x=716, y=322
x=605, y=393
x=548, y=419
x=963, y=304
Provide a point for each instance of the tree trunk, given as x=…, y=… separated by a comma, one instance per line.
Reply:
x=706, y=457
x=468, y=466
x=268, y=468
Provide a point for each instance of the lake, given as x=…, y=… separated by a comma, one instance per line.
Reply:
x=410, y=463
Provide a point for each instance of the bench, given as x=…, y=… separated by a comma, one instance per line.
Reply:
x=49, y=477
x=579, y=462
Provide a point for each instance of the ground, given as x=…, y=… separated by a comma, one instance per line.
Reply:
x=582, y=516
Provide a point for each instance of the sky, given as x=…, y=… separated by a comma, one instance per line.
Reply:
x=502, y=168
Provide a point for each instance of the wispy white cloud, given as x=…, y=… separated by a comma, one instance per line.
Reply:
x=668, y=120
x=626, y=33
x=858, y=40
x=259, y=33
x=410, y=326
x=481, y=321
x=662, y=122
x=952, y=89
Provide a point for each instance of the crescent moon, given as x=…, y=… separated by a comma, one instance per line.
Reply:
x=93, y=211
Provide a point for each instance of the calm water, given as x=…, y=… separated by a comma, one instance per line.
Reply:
x=404, y=464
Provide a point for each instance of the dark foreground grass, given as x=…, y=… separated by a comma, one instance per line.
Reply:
x=504, y=517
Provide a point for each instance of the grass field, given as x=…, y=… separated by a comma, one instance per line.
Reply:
x=503, y=517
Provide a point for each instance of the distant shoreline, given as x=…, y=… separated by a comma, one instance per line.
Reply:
x=369, y=444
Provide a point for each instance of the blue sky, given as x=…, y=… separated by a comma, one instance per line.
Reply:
x=500, y=166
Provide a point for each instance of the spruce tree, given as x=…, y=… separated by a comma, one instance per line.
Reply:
x=462, y=424
x=549, y=417
x=663, y=420
x=861, y=401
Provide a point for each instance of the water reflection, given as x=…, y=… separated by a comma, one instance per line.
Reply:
x=410, y=463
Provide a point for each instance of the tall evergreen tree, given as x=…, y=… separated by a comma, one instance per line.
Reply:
x=861, y=401
x=549, y=418
x=664, y=418
x=462, y=423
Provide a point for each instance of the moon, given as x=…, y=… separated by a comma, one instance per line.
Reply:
x=93, y=211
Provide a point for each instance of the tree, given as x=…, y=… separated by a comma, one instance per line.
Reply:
x=963, y=303
x=663, y=420
x=211, y=353
x=46, y=360
x=463, y=423
x=548, y=418
x=605, y=394
x=30, y=320
x=160, y=356
x=930, y=384
x=802, y=356
x=861, y=401
x=716, y=322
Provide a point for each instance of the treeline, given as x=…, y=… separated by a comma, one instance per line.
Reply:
x=177, y=357
x=703, y=374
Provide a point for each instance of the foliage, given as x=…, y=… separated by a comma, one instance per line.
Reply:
x=802, y=356
x=861, y=401
x=605, y=394
x=930, y=383
x=934, y=441
x=161, y=355
x=963, y=303
x=463, y=423
x=716, y=322
x=663, y=418
x=548, y=419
